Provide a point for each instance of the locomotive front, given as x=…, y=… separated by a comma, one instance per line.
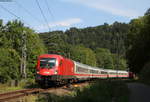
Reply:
x=47, y=69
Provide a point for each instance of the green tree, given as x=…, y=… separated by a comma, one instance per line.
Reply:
x=11, y=39
x=83, y=55
x=35, y=47
x=145, y=73
x=119, y=62
x=104, y=58
x=147, y=12
x=9, y=64
x=139, y=53
x=57, y=45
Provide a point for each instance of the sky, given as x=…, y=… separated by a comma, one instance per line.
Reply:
x=63, y=14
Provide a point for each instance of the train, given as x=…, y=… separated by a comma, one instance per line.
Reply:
x=56, y=69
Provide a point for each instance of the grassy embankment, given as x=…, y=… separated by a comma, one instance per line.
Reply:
x=102, y=91
x=23, y=84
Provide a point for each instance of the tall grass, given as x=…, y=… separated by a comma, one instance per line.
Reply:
x=22, y=84
x=102, y=91
x=7, y=88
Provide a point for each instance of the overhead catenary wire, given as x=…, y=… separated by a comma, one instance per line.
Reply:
x=13, y=14
x=9, y=12
x=5, y=9
x=27, y=11
x=43, y=14
x=49, y=10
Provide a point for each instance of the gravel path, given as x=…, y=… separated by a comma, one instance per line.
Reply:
x=139, y=92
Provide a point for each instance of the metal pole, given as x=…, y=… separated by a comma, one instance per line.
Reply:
x=24, y=56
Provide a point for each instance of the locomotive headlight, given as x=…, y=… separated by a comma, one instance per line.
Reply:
x=55, y=72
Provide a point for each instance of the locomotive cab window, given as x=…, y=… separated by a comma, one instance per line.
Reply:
x=47, y=62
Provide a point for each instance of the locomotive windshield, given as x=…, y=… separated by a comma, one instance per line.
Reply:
x=47, y=62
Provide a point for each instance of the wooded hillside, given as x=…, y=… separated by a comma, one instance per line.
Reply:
x=117, y=46
x=102, y=46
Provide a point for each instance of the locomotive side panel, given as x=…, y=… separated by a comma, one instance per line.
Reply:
x=66, y=68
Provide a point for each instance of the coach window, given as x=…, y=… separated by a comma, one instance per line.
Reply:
x=91, y=71
x=47, y=62
x=103, y=72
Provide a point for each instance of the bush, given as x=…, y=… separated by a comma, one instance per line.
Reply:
x=145, y=74
x=102, y=91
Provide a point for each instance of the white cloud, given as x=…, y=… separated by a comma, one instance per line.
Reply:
x=114, y=7
x=64, y=23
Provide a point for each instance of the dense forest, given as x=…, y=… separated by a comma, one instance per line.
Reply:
x=102, y=46
x=117, y=46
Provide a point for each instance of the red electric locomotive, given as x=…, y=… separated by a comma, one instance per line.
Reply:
x=53, y=68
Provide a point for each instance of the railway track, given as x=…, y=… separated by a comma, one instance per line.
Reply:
x=5, y=97
x=20, y=93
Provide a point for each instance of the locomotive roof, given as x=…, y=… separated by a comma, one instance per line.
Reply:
x=51, y=55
